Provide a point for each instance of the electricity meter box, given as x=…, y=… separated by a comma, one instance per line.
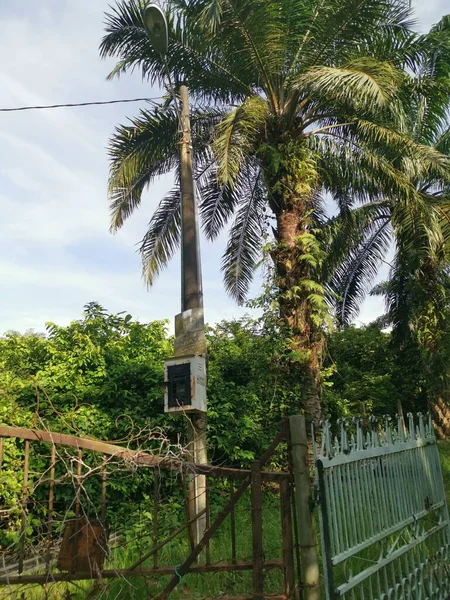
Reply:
x=185, y=384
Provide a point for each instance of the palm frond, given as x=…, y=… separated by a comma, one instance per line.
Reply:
x=189, y=58
x=237, y=136
x=346, y=232
x=344, y=28
x=353, y=279
x=365, y=84
x=127, y=39
x=251, y=38
x=217, y=203
x=245, y=238
x=138, y=153
x=436, y=44
x=163, y=236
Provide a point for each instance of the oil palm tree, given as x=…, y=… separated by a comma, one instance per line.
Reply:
x=417, y=226
x=291, y=98
x=417, y=292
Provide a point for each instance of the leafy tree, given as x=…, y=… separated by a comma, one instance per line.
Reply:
x=364, y=375
x=291, y=98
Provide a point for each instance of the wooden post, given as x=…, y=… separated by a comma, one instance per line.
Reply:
x=305, y=522
x=196, y=481
x=190, y=518
x=257, y=536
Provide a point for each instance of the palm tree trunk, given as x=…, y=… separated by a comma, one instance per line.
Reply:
x=293, y=272
x=291, y=177
x=441, y=418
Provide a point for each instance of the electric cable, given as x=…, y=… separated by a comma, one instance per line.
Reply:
x=76, y=104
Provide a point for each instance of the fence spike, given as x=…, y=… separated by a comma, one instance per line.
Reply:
x=421, y=425
x=400, y=432
x=388, y=432
x=411, y=428
x=337, y=449
x=430, y=426
x=344, y=435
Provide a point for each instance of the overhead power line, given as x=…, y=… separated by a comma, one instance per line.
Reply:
x=75, y=104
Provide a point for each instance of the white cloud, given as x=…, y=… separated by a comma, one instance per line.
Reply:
x=429, y=12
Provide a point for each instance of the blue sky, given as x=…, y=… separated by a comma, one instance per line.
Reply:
x=56, y=252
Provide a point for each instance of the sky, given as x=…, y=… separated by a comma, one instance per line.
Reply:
x=56, y=251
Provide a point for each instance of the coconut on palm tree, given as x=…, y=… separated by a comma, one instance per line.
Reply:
x=291, y=98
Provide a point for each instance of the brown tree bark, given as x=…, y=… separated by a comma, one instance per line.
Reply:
x=295, y=309
x=291, y=177
x=441, y=418
x=292, y=205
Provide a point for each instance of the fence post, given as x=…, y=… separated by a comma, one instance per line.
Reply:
x=305, y=522
x=257, y=534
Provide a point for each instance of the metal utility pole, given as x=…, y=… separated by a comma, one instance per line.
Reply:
x=192, y=301
x=190, y=342
x=191, y=276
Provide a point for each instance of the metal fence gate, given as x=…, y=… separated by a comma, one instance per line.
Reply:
x=59, y=511
x=384, y=518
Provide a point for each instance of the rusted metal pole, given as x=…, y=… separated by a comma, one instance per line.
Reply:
x=305, y=522
x=155, y=516
x=78, y=483
x=207, y=522
x=281, y=435
x=184, y=568
x=104, y=482
x=51, y=491
x=257, y=533
x=233, y=526
x=139, y=458
x=286, y=530
x=159, y=545
x=143, y=572
x=23, y=524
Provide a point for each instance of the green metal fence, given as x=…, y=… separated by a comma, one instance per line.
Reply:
x=384, y=518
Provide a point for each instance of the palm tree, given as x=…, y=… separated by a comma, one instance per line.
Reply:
x=418, y=226
x=291, y=98
x=416, y=294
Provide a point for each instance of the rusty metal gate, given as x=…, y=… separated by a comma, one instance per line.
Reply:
x=78, y=547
